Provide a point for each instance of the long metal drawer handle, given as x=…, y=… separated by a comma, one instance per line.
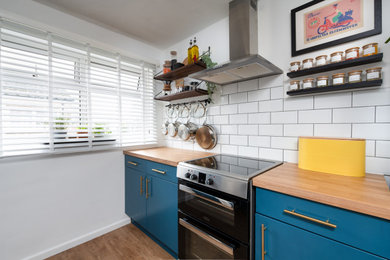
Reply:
x=207, y=237
x=155, y=170
x=147, y=189
x=208, y=197
x=326, y=223
x=263, y=252
x=140, y=185
x=133, y=163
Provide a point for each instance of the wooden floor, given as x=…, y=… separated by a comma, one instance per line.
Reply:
x=127, y=242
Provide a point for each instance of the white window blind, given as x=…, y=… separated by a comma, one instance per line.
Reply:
x=58, y=95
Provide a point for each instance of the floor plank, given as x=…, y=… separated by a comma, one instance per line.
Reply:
x=127, y=242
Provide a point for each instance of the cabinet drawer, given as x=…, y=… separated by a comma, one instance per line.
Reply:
x=163, y=171
x=355, y=229
x=135, y=163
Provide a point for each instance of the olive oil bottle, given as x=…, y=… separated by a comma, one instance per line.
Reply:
x=195, y=52
x=189, y=55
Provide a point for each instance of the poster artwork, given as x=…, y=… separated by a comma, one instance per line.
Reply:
x=335, y=18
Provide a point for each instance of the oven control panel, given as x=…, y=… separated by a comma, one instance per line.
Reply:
x=199, y=177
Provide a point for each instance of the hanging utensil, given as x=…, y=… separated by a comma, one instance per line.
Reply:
x=206, y=136
x=187, y=130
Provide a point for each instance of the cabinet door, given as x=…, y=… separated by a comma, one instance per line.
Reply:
x=162, y=211
x=284, y=241
x=135, y=202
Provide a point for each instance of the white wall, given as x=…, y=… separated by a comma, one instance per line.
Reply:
x=51, y=203
x=256, y=118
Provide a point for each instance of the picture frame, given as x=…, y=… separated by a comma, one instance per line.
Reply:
x=321, y=24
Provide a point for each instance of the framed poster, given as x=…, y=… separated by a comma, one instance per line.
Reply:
x=321, y=24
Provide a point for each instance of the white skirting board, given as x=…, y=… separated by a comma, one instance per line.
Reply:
x=78, y=240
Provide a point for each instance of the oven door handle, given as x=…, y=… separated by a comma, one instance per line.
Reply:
x=208, y=197
x=217, y=243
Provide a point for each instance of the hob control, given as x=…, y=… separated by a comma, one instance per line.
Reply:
x=187, y=175
x=209, y=182
x=193, y=177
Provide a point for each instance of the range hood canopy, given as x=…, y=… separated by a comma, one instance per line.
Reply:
x=245, y=63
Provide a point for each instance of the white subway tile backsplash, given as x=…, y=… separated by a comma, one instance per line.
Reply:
x=260, y=141
x=248, y=107
x=248, y=129
x=383, y=114
x=238, y=119
x=333, y=100
x=290, y=117
x=354, y=115
x=224, y=100
x=221, y=120
x=383, y=149
x=262, y=94
x=271, y=106
x=229, y=149
x=370, y=148
x=271, y=154
x=259, y=118
x=248, y=151
x=271, y=130
x=298, y=103
x=229, y=129
x=333, y=130
x=375, y=97
x=238, y=140
x=277, y=93
x=299, y=130
x=248, y=85
x=315, y=116
x=229, y=109
x=272, y=81
x=223, y=139
x=290, y=143
x=371, y=131
x=290, y=156
x=238, y=98
x=214, y=110
x=229, y=89
x=377, y=165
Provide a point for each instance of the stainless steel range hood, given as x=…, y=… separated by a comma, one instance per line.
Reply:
x=245, y=63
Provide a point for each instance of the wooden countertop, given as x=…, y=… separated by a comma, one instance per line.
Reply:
x=368, y=195
x=167, y=155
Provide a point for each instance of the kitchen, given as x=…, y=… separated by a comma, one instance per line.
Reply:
x=54, y=202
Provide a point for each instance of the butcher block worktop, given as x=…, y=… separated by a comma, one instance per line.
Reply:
x=167, y=155
x=368, y=195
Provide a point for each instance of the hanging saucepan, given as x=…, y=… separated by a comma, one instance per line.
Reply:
x=173, y=127
x=164, y=126
x=206, y=136
x=187, y=130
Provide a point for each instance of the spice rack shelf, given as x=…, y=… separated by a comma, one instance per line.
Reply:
x=335, y=88
x=184, y=94
x=182, y=72
x=336, y=66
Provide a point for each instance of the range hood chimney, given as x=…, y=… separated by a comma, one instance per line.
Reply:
x=245, y=62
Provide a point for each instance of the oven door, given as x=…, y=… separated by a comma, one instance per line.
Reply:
x=197, y=241
x=224, y=212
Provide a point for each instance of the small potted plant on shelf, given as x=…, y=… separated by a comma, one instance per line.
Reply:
x=209, y=64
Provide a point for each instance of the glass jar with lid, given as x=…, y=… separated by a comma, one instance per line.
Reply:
x=370, y=49
x=338, y=79
x=374, y=73
x=321, y=60
x=336, y=57
x=307, y=63
x=322, y=81
x=295, y=66
x=294, y=85
x=308, y=83
x=352, y=53
x=354, y=76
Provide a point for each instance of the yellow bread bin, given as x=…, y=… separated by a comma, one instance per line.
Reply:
x=331, y=155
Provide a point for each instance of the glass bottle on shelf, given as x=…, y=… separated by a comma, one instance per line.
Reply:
x=195, y=52
x=189, y=56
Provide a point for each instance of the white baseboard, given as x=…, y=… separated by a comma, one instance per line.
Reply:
x=78, y=240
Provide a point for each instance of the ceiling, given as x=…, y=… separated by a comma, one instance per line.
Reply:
x=160, y=23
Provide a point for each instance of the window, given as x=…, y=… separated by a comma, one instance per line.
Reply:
x=58, y=95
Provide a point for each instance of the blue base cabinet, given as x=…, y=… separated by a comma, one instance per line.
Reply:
x=151, y=200
x=288, y=227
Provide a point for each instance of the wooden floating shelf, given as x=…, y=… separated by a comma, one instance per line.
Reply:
x=335, y=88
x=184, y=94
x=336, y=66
x=182, y=72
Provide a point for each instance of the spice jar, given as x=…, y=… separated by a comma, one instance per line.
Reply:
x=336, y=56
x=354, y=76
x=338, y=78
x=308, y=63
x=322, y=81
x=167, y=66
x=294, y=85
x=352, y=53
x=374, y=73
x=370, y=49
x=321, y=60
x=294, y=66
x=308, y=83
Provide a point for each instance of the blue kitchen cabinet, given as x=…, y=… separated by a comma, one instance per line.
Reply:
x=309, y=230
x=283, y=241
x=151, y=200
